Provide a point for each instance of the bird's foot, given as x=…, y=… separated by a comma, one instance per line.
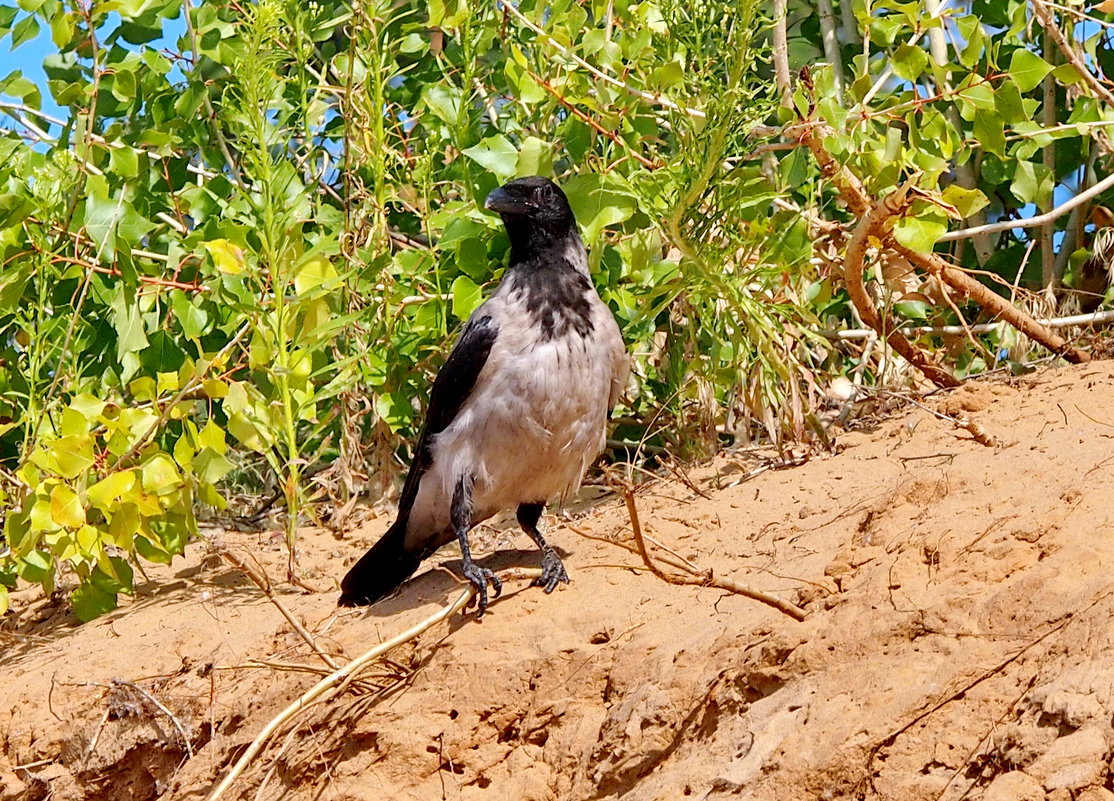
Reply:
x=480, y=576
x=553, y=571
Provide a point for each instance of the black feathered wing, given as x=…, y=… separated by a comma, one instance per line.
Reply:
x=383, y=568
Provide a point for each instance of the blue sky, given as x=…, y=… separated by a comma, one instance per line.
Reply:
x=28, y=59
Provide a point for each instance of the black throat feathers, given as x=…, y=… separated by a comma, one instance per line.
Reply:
x=555, y=293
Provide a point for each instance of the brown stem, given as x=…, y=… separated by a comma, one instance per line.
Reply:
x=702, y=578
x=993, y=303
x=854, y=194
x=1053, y=30
x=1048, y=157
x=580, y=115
x=143, y=279
x=875, y=223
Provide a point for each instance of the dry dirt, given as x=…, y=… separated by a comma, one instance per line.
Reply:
x=958, y=642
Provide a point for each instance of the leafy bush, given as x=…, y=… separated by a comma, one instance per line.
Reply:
x=252, y=229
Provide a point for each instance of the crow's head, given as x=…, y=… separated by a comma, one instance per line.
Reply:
x=533, y=209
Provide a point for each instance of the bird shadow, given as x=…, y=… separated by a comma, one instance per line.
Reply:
x=442, y=581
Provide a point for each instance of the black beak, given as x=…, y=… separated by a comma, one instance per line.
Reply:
x=503, y=202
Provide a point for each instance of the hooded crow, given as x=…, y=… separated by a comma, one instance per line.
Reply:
x=519, y=410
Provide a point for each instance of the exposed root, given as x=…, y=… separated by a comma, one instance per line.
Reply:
x=335, y=682
x=703, y=578
x=259, y=578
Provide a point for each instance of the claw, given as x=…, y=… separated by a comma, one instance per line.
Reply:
x=553, y=571
x=480, y=576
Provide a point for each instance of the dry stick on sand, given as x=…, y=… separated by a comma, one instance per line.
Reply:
x=260, y=580
x=159, y=706
x=973, y=427
x=702, y=578
x=341, y=676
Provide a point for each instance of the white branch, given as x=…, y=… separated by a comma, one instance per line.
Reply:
x=981, y=328
x=1032, y=222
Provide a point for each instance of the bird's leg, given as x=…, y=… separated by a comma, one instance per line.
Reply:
x=553, y=570
x=461, y=515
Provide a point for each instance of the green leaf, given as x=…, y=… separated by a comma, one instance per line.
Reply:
x=496, y=154
x=36, y=567
x=25, y=30
x=109, y=489
x=467, y=296
x=908, y=61
x=192, y=317
x=108, y=218
x=919, y=231
x=212, y=436
x=90, y=601
x=123, y=85
x=989, y=132
x=14, y=209
x=1032, y=183
x=1028, y=69
x=966, y=201
x=1067, y=74
x=599, y=200
x=124, y=161
x=65, y=507
x=160, y=475
x=975, y=95
x=228, y=256
x=162, y=354
x=70, y=456
x=130, y=333
x=911, y=309
x=87, y=406
x=535, y=158
x=211, y=466
x=152, y=551
x=443, y=101
x=312, y=273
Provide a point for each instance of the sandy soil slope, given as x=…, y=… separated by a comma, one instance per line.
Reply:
x=958, y=643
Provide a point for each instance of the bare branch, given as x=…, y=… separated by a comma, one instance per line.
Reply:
x=1053, y=30
x=781, y=53
x=340, y=677
x=853, y=193
x=1032, y=222
x=701, y=578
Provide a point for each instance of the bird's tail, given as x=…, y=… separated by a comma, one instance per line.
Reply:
x=381, y=570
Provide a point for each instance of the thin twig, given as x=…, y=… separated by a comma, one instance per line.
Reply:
x=1032, y=222
x=586, y=119
x=260, y=580
x=971, y=426
x=1053, y=30
x=651, y=97
x=781, y=53
x=339, y=677
x=855, y=195
x=980, y=328
x=143, y=279
x=189, y=387
x=158, y=705
x=210, y=112
x=703, y=578
x=1064, y=621
x=874, y=223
